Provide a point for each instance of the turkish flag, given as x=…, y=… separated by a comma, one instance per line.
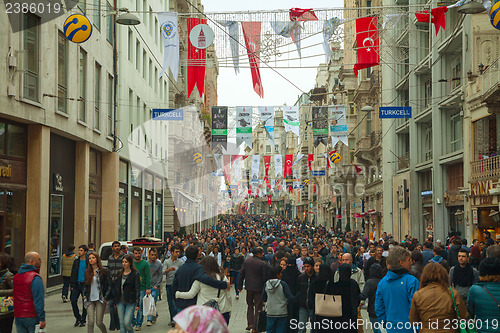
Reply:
x=367, y=43
x=299, y=14
x=196, y=60
x=358, y=169
x=251, y=32
x=288, y=165
x=267, y=164
x=437, y=17
x=234, y=158
x=290, y=189
x=314, y=188
x=310, y=158
x=269, y=199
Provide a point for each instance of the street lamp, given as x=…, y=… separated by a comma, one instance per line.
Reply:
x=367, y=108
x=471, y=7
x=128, y=19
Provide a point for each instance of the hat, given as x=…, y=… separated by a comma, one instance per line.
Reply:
x=308, y=261
x=489, y=266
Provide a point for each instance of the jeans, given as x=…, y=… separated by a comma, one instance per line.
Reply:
x=65, y=288
x=276, y=324
x=75, y=295
x=375, y=327
x=154, y=293
x=26, y=325
x=255, y=304
x=125, y=315
x=305, y=315
x=114, y=322
x=96, y=314
x=140, y=318
x=171, y=301
x=235, y=275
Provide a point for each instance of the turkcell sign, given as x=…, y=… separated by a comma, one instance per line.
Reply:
x=319, y=173
x=394, y=112
x=168, y=114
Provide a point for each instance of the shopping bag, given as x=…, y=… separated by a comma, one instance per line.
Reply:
x=262, y=320
x=148, y=306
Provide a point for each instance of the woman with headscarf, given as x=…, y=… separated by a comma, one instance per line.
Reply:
x=290, y=276
x=323, y=279
x=199, y=319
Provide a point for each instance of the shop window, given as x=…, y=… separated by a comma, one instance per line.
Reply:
x=122, y=218
x=158, y=184
x=123, y=172
x=16, y=136
x=55, y=234
x=136, y=179
x=158, y=221
x=148, y=182
x=31, y=40
x=82, y=68
x=62, y=72
x=148, y=218
x=486, y=138
x=12, y=222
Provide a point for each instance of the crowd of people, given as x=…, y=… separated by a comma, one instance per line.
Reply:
x=309, y=279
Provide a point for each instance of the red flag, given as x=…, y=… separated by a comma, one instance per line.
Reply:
x=290, y=189
x=314, y=188
x=310, y=158
x=234, y=158
x=244, y=157
x=251, y=32
x=327, y=160
x=299, y=14
x=267, y=164
x=358, y=169
x=269, y=199
x=196, y=60
x=367, y=43
x=437, y=17
x=288, y=165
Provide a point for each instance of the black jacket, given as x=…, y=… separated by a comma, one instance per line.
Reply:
x=104, y=285
x=370, y=289
x=305, y=295
x=236, y=262
x=131, y=289
x=74, y=272
x=453, y=255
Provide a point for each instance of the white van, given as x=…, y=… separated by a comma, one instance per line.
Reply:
x=105, y=251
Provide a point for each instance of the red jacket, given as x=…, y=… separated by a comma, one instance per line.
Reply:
x=24, y=306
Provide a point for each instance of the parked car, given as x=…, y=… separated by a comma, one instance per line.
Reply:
x=105, y=251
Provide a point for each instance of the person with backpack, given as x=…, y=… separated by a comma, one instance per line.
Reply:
x=68, y=259
x=277, y=295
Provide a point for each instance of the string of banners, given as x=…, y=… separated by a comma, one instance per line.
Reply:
x=326, y=120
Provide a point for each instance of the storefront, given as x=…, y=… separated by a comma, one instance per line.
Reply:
x=135, y=224
x=485, y=208
x=159, y=207
x=95, y=196
x=148, y=228
x=123, y=201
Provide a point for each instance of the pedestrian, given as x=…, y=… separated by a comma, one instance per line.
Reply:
x=395, y=291
x=217, y=255
x=317, y=263
x=142, y=267
x=6, y=290
x=463, y=275
x=91, y=247
x=254, y=273
x=483, y=302
x=198, y=319
x=29, y=295
x=235, y=265
x=156, y=273
x=453, y=251
x=77, y=284
x=277, y=295
x=433, y=305
x=68, y=259
x=290, y=276
x=378, y=258
x=283, y=263
x=170, y=265
x=96, y=285
x=439, y=259
x=417, y=265
x=305, y=295
x=125, y=292
x=356, y=273
x=323, y=278
x=488, y=241
x=205, y=293
x=114, y=270
x=369, y=291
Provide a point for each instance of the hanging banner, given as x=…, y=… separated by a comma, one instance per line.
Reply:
x=170, y=35
x=367, y=43
x=338, y=124
x=288, y=165
x=288, y=29
x=310, y=159
x=297, y=160
x=227, y=168
x=329, y=27
x=266, y=114
x=291, y=119
x=320, y=125
x=219, y=125
x=237, y=168
x=251, y=33
x=255, y=167
x=196, y=60
x=244, y=125
x=233, y=32
x=278, y=166
x=267, y=164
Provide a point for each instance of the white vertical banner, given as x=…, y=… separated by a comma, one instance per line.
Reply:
x=338, y=124
x=233, y=31
x=291, y=119
x=299, y=157
x=170, y=34
x=236, y=168
x=255, y=167
x=244, y=125
x=266, y=114
x=278, y=166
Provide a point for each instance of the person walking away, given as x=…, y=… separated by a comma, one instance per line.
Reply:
x=96, y=284
x=6, y=290
x=77, y=280
x=290, y=276
x=235, y=266
x=125, y=292
x=68, y=259
x=395, y=291
x=156, y=272
x=453, y=252
x=277, y=295
x=378, y=258
x=323, y=277
x=356, y=273
x=433, y=305
x=254, y=273
x=438, y=258
x=305, y=295
x=204, y=293
x=369, y=292
x=427, y=252
x=463, y=275
x=142, y=267
x=170, y=265
x=114, y=270
x=29, y=295
x=483, y=302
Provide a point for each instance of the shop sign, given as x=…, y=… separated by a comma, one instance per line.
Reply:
x=474, y=216
x=482, y=187
x=121, y=190
x=136, y=193
x=58, y=183
x=6, y=171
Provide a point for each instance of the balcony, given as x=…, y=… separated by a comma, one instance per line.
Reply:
x=404, y=161
x=487, y=168
x=375, y=139
x=375, y=79
x=490, y=85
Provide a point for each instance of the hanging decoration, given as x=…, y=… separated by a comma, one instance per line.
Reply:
x=77, y=28
x=244, y=125
x=170, y=35
x=436, y=16
x=266, y=114
x=299, y=157
x=310, y=159
x=278, y=166
x=367, y=43
x=320, y=125
x=327, y=160
x=291, y=119
x=197, y=158
x=299, y=14
x=255, y=167
x=233, y=31
x=495, y=15
x=289, y=30
x=329, y=28
x=338, y=124
x=334, y=157
x=251, y=33
x=267, y=164
x=196, y=59
x=288, y=165
x=227, y=169
x=219, y=125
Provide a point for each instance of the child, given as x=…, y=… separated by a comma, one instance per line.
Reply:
x=276, y=293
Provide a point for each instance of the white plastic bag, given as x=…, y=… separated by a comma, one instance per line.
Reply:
x=148, y=306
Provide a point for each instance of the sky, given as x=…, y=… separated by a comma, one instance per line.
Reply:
x=237, y=90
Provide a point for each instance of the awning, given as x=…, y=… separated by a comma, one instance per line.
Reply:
x=188, y=197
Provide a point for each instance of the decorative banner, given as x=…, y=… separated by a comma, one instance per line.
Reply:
x=289, y=29
x=227, y=168
x=233, y=32
x=327, y=160
x=288, y=165
x=266, y=114
x=338, y=124
x=196, y=60
x=436, y=16
x=278, y=166
x=269, y=199
x=251, y=33
x=299, y=157
x=219, y=125
x=77, y=28
x=244, y=125
x=255, y=167
x=367, y=43
x=358, y=169
x=299, y=14
x=329, y=27
x=267, y=164
x=320, y=125
x=310, y=158
x=236, y=166
x=291, y=119
x=334, y=157
x=494, y=13
x=201, y=36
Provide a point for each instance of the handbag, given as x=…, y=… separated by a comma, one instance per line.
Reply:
x=463, y=325
x=328, y=305
x=262, y=320
x=148, y=305
x=214, y=303
x=6, y=302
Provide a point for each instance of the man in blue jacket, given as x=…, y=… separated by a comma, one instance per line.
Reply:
x=188, y=273
x=395, y=291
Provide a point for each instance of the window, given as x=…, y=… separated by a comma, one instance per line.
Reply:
x=151, y=21
x=123, y=172
x=144, y=64
x=137, y=55
x=486, y=137
x=31, y=57
x=97, y=96
x=82, y=64
x=150, y=72
x=111, y=25
x=157, y=31
x=97, y=14
x=428, y=93
x=55, y=234
x=154, y=80
x=130, y=47
x=428, y=143
x=62, y=70
x=456, y=132
x=81, y=5
x=110, y=106
x=131, y=113
x=268, y=149
x=16, y=141
x=145, y=12
x=456, y=74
